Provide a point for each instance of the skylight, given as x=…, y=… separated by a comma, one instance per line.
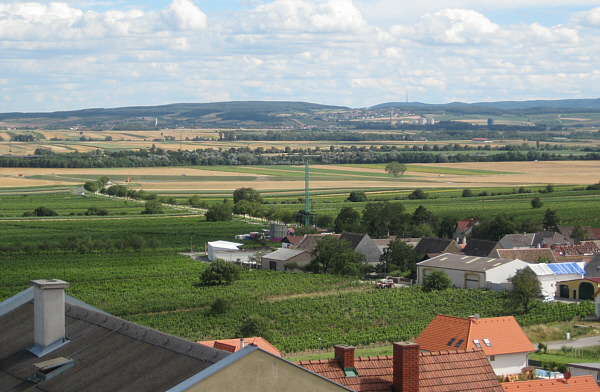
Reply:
x=477, y=343
x=459, y=343
x=451, y=342
x=48, y=369
x=487, y=342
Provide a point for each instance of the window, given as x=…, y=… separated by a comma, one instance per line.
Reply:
x=477, y=343
x=451, y=342
x=459, y=343
x=492, y=358
x=487, y=342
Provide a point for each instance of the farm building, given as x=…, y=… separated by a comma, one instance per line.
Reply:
x=592, y=268
x=534, y=255
x=276, y=260
x=501, y=339
x=363, y=244
x=222, y=250
x=463, y=229
x=291, y=241
x=540, y=239
x=481, y=248
x=578, y=288
x=585, y=369
x=431, y=247
x=550, y=274
x=471, y=272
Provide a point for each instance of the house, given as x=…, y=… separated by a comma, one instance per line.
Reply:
x=409, y=370
x=309, y=241
x=431, y=247
x=222, y=250
x=233, y=345
x=592, y=268
x=472, y=272
x=578, y=288
x=463, y=229
x=363, y=244
x=590, y=233
x=481, y=248
x=55, y=343
x=532, y=255
x=501, y=338
x=550, y=274
x=585, y=369
x=585, y=248
x=291, y=241
x=540, y=239
x=573, y=384
x=276, y=260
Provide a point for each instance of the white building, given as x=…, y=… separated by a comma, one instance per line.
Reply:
x=222, y=250
x=549, y=274
x=472, y=272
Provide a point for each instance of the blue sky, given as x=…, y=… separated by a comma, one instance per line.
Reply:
x=97, y=53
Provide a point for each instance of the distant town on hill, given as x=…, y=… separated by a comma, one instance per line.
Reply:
x=294, y=115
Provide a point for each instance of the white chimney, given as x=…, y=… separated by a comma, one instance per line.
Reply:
x=242, y=343
x=48, y=315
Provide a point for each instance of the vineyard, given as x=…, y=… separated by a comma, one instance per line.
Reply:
x=160, y=290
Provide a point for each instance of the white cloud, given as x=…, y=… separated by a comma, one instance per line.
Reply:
x=449, y=26
x=590, y=18
x=305, y=16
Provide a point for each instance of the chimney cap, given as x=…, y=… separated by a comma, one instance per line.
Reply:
x=49, y=284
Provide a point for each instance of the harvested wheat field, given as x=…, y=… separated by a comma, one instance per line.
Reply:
x=451, y=175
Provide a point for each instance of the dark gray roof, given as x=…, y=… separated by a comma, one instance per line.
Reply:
x=464, y=263
x=481, y=248
x=592, y=269
x=353, y=238
x=283, y=254
x=529, y=255
x=436, y=245
x=110, y=354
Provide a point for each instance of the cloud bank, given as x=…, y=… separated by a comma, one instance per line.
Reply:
x=58, y=56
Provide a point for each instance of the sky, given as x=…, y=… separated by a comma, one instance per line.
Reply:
x=358, y=53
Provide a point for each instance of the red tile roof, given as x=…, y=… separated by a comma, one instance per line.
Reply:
x=465, y=224
x=443, y=371
x=503, y=335
x=574, y=384
x=232, y=345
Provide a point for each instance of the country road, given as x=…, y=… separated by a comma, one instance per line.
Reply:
x=575, y=343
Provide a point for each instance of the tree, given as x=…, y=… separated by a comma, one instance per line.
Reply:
x=254, y=325
x=400, y=256
x=219, y=212
x=381, y=218
x=334, y=256
x=245, y=207
x=418, y=194
x=437, y=280
x=536, y=202
x=219, y=306
x=495, y=228
x=551, y=220
x=579, y=233
x=92, y=186
x=44, y=211
x=526, y=287
x=196, y=201
x=357, y=196
x=248, y=194
x=153, y=207
x=347, y=220
x=467, y=193
x=396, y=168
x=96, y=211
x=325, y=221
x=219, y=272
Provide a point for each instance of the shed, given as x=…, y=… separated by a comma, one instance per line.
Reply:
x=219, y=248
x=276, y=260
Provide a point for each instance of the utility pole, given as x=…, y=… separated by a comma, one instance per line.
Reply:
x=306, y=197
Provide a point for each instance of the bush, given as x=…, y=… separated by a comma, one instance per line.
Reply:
x=219, y=272
x=219, y=212
x=44, y=211
x=418, y=194
x=153, y=207
x=219, y=306
x=96, y=211
x=536, y=202
x=467, y=193
x=436, y=281
x=358, y=196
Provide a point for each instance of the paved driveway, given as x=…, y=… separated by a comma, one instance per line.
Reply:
x=575, y=343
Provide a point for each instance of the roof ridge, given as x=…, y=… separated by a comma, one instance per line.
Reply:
x=145, y=334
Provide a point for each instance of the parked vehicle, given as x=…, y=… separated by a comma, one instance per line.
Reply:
x=385, y=284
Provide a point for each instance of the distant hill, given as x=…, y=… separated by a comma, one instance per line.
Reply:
x=232, y=114
x=541, y=106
